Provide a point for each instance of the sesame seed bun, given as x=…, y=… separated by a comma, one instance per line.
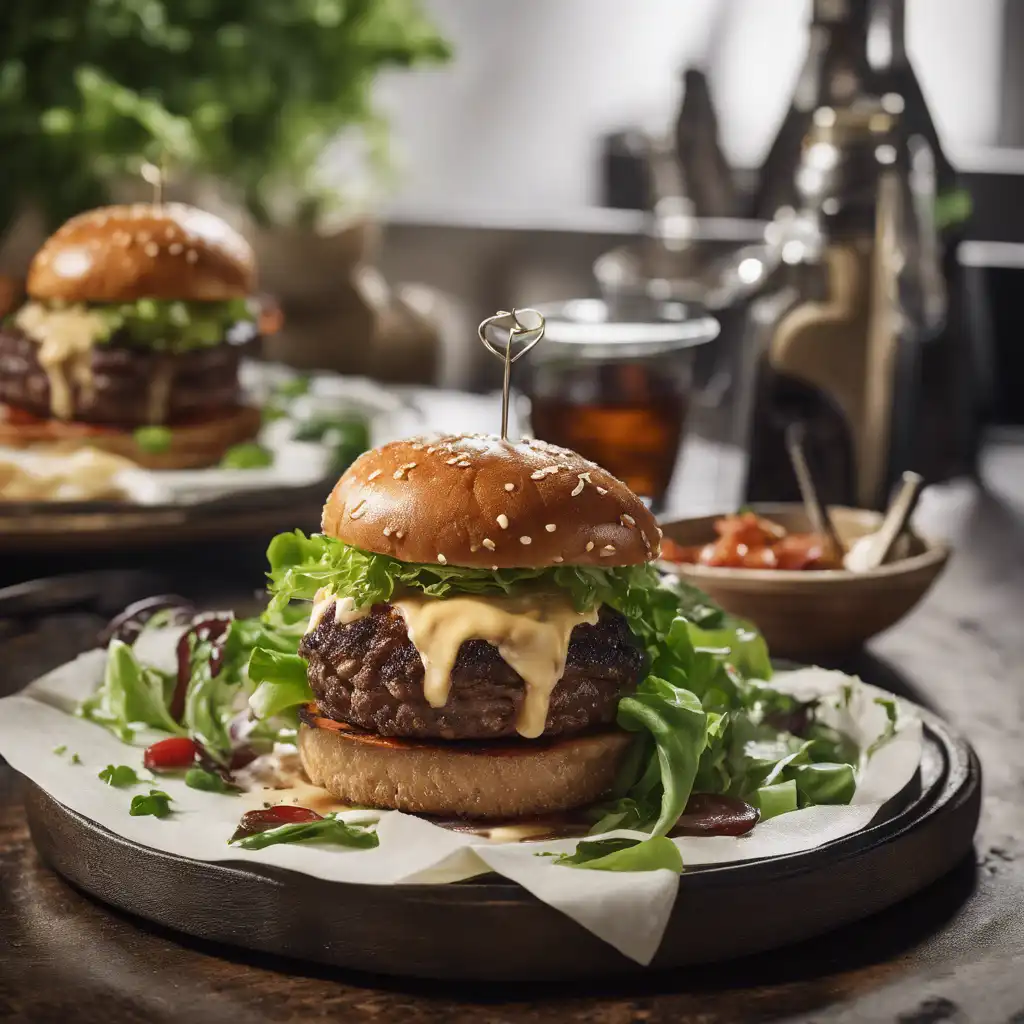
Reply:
x=143, y=251
x=475, y=500
x=467, y=780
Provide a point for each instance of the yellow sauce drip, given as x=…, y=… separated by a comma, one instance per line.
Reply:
x=345, y=610
x=65, y=338
x=531, y=634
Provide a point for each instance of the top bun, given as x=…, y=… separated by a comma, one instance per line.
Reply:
x=475, y=500
x=143, y=251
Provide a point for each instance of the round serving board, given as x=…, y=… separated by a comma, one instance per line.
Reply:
x=491, y=929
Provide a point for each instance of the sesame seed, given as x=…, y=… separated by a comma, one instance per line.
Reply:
x=525, y=540
x=451, y=462
x=608, y=549
x=399, y=534
x=142, y=236
x=387, y=531
x=578, y=489
x=510, y=487
x=152, y=249
x=602, y=491
x=356, y=514
x=503, y=521
x=494, y=568
x=627, y=520
x=399, y=474
x=417, y=447
x=175, y=248
x=474, y=547
x=488, y=543
x=550, y=527
x=541, y=473
x=558, y=558
x=373, y=475
x=191, y=256
x=590, y=545
x=431, y=450
x=169, y=232
x=462, y=465
x=442, y=559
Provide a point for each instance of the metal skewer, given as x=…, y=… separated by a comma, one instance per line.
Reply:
x=153, y=174
x=517, y=331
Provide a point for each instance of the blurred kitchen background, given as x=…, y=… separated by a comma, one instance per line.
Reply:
x=840, y=183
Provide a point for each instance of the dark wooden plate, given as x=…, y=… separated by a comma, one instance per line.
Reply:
x=491, y=929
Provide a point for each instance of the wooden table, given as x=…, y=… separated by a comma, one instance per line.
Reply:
x=953, y=953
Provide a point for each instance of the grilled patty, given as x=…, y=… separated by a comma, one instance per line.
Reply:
x=369, y=674
x=130, y=387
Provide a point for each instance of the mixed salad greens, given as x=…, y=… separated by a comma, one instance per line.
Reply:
x=705, y=717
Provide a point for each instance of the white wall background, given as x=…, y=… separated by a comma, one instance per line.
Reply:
x=513, y=124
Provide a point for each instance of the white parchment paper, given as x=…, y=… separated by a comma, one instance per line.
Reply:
x=627, y=910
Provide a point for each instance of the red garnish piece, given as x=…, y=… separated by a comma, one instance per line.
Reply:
x=210, y=627
x=273, y=817
x=171, y=755
x=710, y=815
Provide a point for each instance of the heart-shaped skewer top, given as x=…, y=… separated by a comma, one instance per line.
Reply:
x=518, y=334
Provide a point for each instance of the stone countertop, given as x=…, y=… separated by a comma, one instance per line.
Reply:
x=954, y=952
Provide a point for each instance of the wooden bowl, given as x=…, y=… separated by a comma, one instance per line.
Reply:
x=815, y=612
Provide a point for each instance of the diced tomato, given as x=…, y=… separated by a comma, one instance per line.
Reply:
x=171, y=755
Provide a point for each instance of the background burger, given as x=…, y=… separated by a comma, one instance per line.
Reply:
x=465, y=655
x=133, y=320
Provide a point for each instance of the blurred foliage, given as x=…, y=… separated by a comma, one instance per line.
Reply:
x=247, y=90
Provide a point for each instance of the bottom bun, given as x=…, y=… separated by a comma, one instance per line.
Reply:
x=192, y=446
x=512, y=779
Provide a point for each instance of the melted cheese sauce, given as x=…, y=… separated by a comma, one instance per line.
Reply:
x=65, y=338
x=87, y=474
x=531, y=634
x=345, y=610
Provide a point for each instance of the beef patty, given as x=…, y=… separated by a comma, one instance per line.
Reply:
x=130, y=387
x=369, y=674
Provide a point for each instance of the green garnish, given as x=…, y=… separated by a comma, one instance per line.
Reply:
x=210, y=782
x=328, y=829
x=75, y=759
x=119, y=775
x=156, y=802
x=61, y=749
x=249, y=455
x=153, y=440
x=294, y=387
x=655, y=854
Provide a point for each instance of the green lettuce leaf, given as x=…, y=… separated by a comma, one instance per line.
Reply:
x=654, y=854
x=131, y=696
x=174, y=326
x=281, y=682
x=328, y=829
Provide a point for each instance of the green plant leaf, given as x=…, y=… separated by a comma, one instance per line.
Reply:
x=156, y=803
x=328, y=829
x=119, y=775
x=655, y=854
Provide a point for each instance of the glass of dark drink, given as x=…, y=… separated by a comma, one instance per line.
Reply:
x=615, y=384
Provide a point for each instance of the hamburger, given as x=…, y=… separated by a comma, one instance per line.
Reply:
x=134, y=319
x=466, y=647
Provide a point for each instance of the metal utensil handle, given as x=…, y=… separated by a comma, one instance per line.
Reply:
x=821, y=522
x=517, y=331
